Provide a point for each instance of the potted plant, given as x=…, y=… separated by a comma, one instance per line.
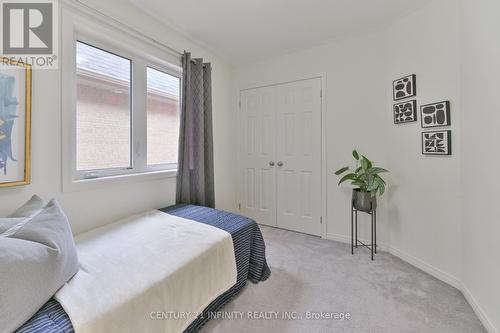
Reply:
x=367, y=180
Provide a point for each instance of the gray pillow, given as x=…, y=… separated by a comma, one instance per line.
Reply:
x=36, y=259
x=29, y=208
x=32, y=206
x=8, y=222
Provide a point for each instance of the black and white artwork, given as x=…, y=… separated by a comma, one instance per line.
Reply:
x=405, y=112
x=436, y=143
x=404, y=87
x=435, y=114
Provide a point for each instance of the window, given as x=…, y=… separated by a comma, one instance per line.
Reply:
x=103, y=117
x=163, y=117
x=126, y=112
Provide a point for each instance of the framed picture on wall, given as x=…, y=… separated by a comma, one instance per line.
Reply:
x=405, y=112
x=404, y=87
x=15, y=122
x=436, y=143
x=435, y=114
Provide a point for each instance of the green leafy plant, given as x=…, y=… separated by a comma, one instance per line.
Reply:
x=365, y=176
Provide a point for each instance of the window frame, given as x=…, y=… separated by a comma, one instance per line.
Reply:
x=163, y=166
x=134, y=50
x=107, y=172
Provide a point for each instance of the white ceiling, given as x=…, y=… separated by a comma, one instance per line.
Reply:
x=251, y=30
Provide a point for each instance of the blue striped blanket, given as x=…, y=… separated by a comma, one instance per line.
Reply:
x=250, y=257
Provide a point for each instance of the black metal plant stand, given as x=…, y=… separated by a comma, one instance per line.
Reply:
x=354, y=230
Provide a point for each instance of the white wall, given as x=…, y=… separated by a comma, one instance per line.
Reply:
x=419, y=217
x=424, y=212
x=480, y=159
x=87, y=209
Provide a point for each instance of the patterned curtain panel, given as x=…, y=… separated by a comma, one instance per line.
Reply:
x=195, y=175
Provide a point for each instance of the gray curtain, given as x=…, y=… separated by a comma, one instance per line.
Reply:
x=195, y=175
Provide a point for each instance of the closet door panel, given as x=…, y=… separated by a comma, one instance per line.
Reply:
x=298, y=148
x=257, y=153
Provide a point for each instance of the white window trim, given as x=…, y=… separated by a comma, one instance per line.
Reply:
x=88, y=30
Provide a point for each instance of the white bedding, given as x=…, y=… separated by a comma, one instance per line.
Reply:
x=145, y=264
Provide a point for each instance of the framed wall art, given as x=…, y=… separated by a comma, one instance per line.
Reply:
x=435, y=114
x=405, y=112
x=436, y=143
x=404, y=87
x=15, y=123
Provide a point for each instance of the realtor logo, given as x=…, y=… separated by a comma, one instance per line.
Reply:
x=29, y=32
x=27, y=28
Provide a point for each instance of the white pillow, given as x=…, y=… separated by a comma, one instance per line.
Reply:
x=31, y=206
x=37, y=258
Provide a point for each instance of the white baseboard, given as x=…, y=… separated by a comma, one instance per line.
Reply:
x=429, y=269
x=435, y=272
x=488, y=325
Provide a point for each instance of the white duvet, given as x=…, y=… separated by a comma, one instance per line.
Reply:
x=152, y=272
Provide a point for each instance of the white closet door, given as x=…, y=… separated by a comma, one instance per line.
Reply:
x=257, y=152
x=298, y=160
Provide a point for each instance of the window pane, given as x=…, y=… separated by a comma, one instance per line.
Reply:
x=163, y=117
x=102, y=109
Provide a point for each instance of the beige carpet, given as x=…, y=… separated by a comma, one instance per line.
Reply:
x=310, y=274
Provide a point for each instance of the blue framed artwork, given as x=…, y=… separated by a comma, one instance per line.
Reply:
x=15, y=122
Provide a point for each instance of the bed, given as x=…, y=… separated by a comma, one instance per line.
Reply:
x=250, y=258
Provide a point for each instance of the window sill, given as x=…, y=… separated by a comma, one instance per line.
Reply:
x=72, y=185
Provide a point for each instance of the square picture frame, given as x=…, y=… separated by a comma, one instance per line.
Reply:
x=15, y=123
x=435, y=114
x=436, y=143
x=404, y=87
x=405, y=112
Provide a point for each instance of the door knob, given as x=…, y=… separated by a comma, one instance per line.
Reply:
x=271, y=163
x=280, y=163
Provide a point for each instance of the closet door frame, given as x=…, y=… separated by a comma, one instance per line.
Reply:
x=274, y=82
